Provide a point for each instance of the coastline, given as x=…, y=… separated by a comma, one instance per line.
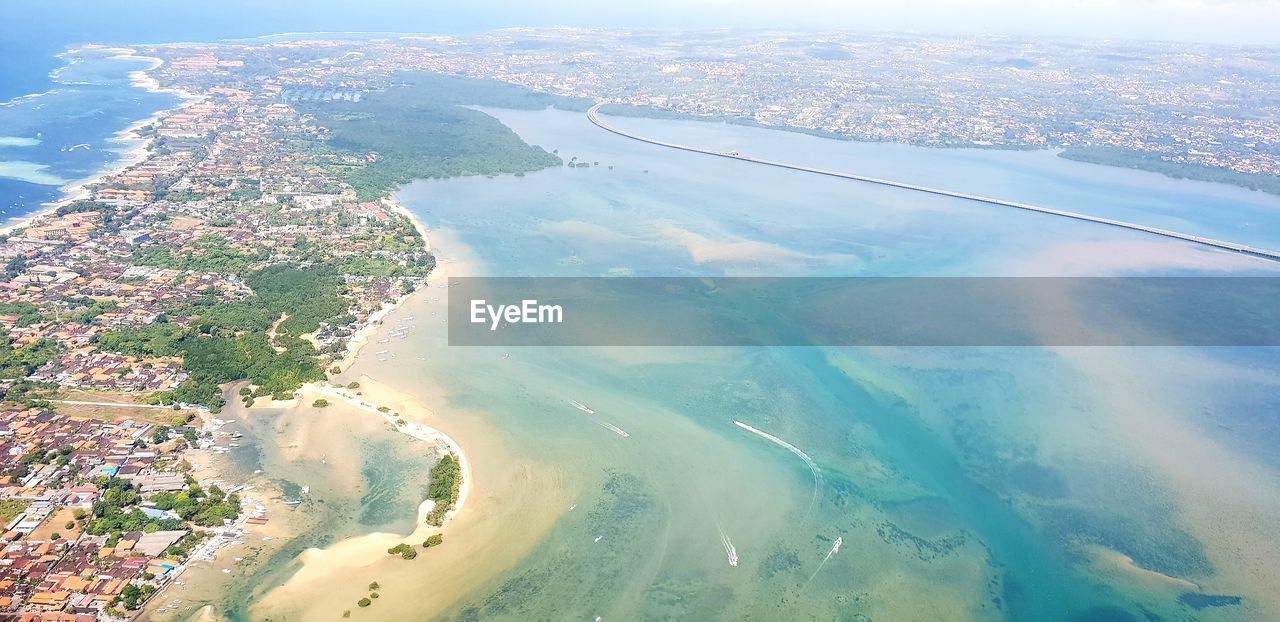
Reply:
x=1098, y=155
x=356, y=344
x=305, y=469
x=133, y=148
x=510, y=504
x=360, y=338
x=416, y=430
x=368, y=549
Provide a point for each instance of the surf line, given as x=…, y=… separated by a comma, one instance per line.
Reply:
x=813, y=467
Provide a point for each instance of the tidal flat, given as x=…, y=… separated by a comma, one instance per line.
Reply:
x=988, y=483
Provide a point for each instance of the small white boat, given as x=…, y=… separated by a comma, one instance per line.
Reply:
x=617, y=430
x=579, y=405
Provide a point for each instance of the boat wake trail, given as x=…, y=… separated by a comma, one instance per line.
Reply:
x=604, y=424
x=835, y=548
x=813, y=467
x=613, y=428
x=729, y=550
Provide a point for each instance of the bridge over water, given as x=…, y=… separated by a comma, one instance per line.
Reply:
x=594, y=116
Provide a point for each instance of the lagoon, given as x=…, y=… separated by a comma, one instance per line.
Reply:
x=965, y=483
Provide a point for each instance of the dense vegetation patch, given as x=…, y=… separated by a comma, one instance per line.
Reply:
x=210, y=253
x=18, y=363
x=27, y=313
x=194, y=504
x=228, y=341
x=446, y=482
x=1115, y=156
x=11, y=508
x=422, y=130
x=403, y=550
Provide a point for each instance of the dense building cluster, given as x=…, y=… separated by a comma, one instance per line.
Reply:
x=98, y=514
x=230, y=248
x=229, y=185
x=1195, y=104
x=1132, y=103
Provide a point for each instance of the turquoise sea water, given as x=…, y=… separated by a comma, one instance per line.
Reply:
x=967, y=483
x=964, y=483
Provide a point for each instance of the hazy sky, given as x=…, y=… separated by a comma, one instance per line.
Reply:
x=1228, y=21
x=1242, y=21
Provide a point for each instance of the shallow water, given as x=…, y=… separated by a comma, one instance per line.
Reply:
x=965, y=483
x=971, y=479
x=360, y=475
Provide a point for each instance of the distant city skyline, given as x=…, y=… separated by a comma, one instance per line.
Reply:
x=1216, y=21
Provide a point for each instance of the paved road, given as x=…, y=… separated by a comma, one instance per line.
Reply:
x=593, y=115
x=118, y=404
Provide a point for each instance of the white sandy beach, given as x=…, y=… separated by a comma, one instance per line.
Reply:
x=415, y=429
x=505, y=507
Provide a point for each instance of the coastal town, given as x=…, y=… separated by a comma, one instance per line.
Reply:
x=249, y=242
x=226, y=247
x=1157, y=106
x=1161, y=106
x=101, y=514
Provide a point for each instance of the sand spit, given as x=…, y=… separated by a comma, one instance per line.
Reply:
x=505, y=508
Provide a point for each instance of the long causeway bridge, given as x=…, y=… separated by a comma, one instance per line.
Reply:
x=594, y=116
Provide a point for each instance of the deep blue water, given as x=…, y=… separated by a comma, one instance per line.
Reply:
x=67, y=132
x=36, y=31
x=43, y=99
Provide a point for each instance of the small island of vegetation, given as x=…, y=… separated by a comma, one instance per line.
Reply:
x=446, y=482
